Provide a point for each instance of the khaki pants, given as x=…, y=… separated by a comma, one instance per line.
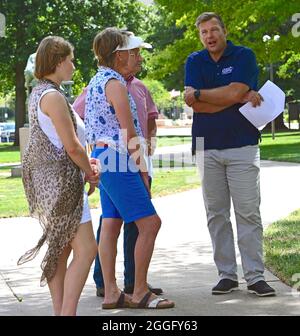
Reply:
x=234, y=174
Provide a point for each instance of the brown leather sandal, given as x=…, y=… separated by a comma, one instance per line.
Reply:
x=153, y=304
x=121, y=303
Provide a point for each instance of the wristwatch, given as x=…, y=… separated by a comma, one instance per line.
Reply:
x=197, y=94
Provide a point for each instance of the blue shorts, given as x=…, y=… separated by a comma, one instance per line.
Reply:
x=122, y=190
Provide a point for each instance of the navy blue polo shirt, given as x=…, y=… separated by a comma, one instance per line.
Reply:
x=227, y=128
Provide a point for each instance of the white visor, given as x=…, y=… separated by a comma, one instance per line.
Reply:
x=134, y=42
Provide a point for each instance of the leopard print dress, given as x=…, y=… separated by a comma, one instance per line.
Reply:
x=53, y=186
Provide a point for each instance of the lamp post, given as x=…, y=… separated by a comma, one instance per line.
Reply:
x=174, y=94
x=267, y=39
x=2, y=25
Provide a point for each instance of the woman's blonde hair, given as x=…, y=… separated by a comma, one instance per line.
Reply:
x=106, y=42
x=51, y=51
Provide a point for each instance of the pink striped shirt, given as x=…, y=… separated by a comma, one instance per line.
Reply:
x=145, y=106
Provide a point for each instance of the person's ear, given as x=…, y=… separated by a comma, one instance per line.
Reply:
x=59, y=64
x=119, y=56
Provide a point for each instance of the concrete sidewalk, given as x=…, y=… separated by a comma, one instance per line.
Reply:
x=182, y=263
x=174, y=131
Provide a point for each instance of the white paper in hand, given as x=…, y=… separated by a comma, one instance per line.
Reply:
x=270, y=108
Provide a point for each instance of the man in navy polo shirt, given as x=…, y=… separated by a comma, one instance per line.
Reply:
x=218, y=80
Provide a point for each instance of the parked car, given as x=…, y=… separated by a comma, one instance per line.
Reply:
x=7, y=132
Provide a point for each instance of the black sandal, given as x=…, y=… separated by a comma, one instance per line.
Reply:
x=121, y=303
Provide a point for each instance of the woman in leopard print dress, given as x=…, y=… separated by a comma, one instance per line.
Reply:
x=55, y=166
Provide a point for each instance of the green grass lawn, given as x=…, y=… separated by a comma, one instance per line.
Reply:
x=12, y=196
x=172, y=141
x=13, y=202
x=9, y=153
x=168, y=182
x=285, y=147
x=282, y=248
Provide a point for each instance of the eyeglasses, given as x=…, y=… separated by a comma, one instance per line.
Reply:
x=136, y=55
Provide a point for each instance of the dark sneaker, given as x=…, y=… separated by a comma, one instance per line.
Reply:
x=100, y=291
x=225, y=286
x=261, y=288
x=129, y=289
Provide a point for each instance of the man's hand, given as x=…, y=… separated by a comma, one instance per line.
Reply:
x=151, y=146
x=252, y=97
x=189, y=97
x=145, y=179
x=91, y=189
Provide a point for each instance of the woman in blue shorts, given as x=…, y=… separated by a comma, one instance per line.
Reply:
x=113, y=129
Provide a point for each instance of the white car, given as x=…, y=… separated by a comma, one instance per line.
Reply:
x=7, y=132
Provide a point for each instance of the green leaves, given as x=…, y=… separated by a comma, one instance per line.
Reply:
x=246, y=23
x=159, y=94
x=78, y=21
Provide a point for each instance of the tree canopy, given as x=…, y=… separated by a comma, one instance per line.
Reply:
x=169, y=27
x=247, y=22
x=29, y=21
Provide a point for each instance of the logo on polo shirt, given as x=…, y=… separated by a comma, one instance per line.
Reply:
x=227, y=71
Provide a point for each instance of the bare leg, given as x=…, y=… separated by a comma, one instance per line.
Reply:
x=56, y=284
x=148, y=228
x=84, y=252
x=108, y=251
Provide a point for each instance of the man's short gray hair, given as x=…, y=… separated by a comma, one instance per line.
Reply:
x=206, y=16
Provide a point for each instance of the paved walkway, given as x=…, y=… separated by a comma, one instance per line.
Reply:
x=174, y=131
x=182, y=262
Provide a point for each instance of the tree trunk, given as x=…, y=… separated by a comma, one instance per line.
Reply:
x=20, y=114
x=279, y=124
